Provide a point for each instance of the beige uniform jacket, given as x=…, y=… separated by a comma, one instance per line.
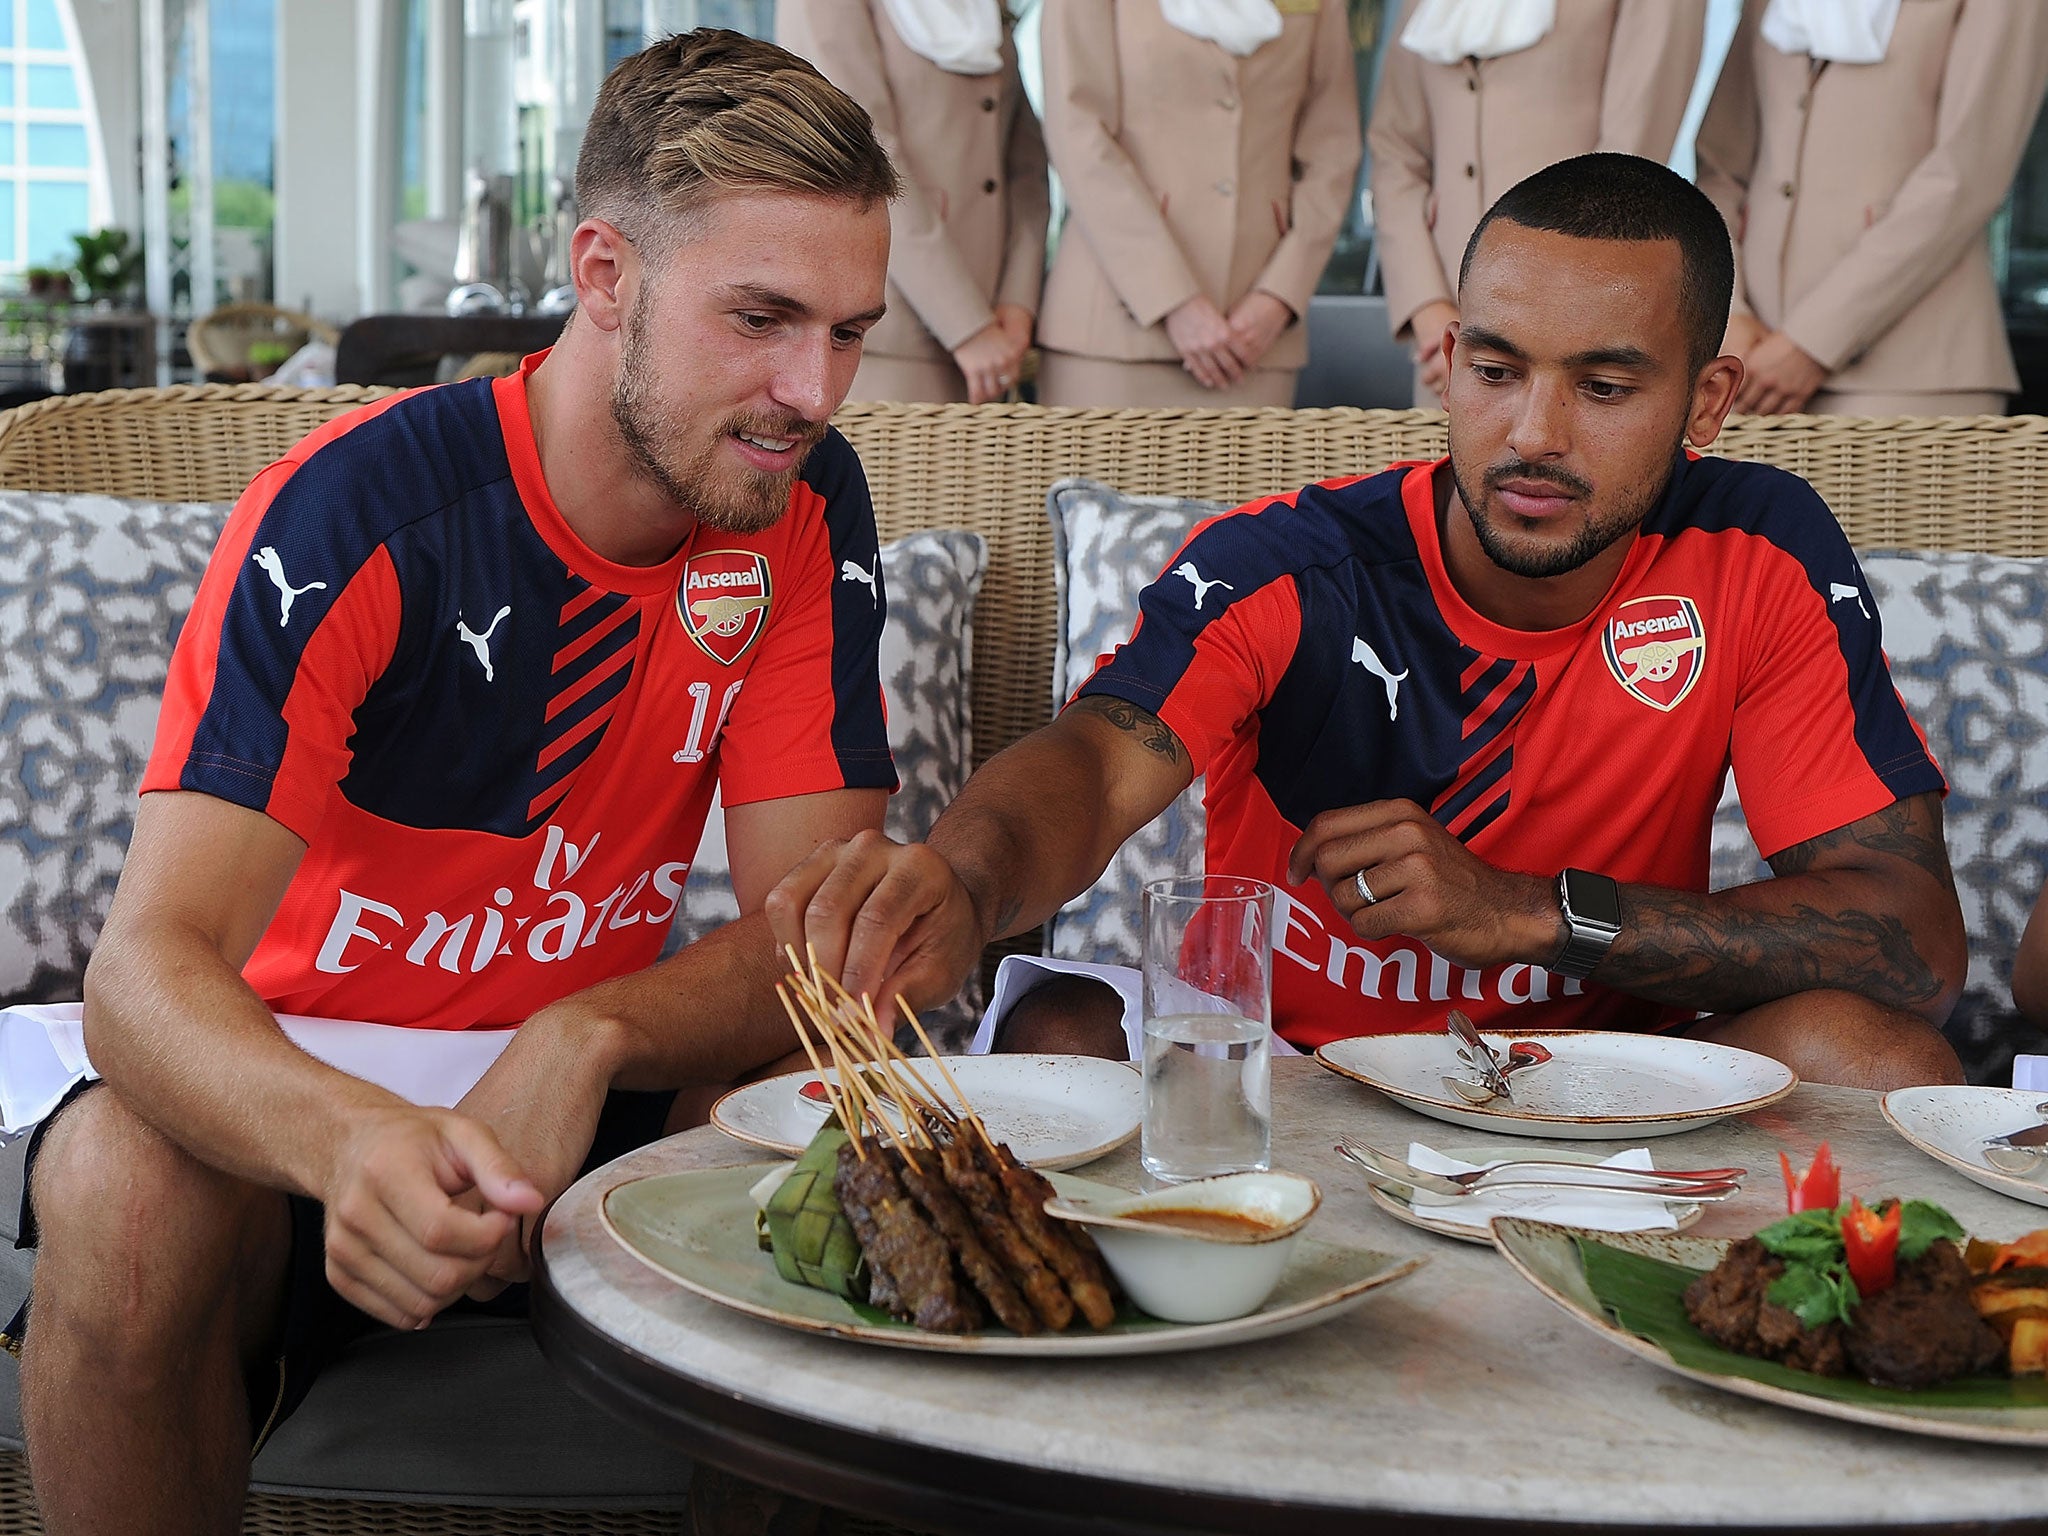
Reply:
x=1859, y=194
x=1188, y=169
x=968, y=233
x=1448, y=139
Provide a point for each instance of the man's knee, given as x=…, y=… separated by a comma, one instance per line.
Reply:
x=1066, y=1016
x=132, y=1230
x=1843, y=1038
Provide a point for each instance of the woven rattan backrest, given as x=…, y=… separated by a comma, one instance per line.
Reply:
x=1949, y=483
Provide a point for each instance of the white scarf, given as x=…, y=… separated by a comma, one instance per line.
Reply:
x=1839, y=31
x=1241, y=27
x=962, y=37
x=1446, y=31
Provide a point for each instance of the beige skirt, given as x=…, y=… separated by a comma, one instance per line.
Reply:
x=1067, y=378
x=1951, y=402
x=907, y=378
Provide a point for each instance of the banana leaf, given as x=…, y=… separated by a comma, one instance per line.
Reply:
x=1646, y=1297
x=810, y=1236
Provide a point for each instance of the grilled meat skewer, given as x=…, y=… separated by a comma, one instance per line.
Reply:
x=921, y=1175
x=984, y=1200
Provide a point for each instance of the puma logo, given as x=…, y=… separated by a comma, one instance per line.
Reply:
x=1187, y=572
x=287, y=594
x=481, y=643
x=1369, y=659
x=848, y=571
x=1840, y=593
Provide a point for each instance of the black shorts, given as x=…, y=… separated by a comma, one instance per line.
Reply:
x=317, y=1323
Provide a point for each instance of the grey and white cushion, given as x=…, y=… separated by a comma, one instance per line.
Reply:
x=93, y=591
x=1106, y=547
x=931, y=579
x=1967, y=635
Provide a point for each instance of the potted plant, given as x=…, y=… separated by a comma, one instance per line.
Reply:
x=50, y=284
x=107, y=266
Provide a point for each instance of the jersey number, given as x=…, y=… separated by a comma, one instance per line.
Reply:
x=697, y=748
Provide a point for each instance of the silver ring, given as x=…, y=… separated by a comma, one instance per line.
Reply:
x=1003, y=379
x=1364, y=891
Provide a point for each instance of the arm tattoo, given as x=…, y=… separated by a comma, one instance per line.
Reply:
x=1153, y=733
x=1905, y=829
x=1701, y=952
x=1736, y=949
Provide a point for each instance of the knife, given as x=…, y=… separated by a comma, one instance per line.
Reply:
x=1479, y=1054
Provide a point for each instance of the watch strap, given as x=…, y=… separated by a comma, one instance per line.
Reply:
x=1588, y=937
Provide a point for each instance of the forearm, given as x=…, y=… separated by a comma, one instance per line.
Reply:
x=187, y=1043
x=1039, y=824
x=706, y=1015
x=1852, y=930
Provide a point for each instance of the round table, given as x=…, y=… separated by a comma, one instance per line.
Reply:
x=1455, y=1398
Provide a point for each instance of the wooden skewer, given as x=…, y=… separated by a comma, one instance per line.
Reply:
x=931, y=1050
x=849, y=1074
x=833, y=1097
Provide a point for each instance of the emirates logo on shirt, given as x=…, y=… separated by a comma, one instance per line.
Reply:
x=1656, y=648
x=723, y=601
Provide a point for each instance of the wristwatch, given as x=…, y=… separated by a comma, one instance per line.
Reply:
x=1592, y=911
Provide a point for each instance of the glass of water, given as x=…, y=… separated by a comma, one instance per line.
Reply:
x=1208, y=1027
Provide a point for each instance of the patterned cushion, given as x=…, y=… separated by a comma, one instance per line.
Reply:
x=931, y=579
x=93, y=590
x=1968, y=639
x=1106, y=547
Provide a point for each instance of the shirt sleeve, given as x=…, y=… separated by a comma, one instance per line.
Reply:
x=291, y=626
x=1215, y=634
x=1821, y=737
x=809, y=716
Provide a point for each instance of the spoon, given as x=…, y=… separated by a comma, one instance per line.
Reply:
x=1524, y=1053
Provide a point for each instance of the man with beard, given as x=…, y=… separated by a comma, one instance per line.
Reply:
x=1471, y=718
x=437, y=745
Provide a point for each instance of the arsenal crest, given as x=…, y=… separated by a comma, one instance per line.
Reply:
x=1656, y=648
x=723, y=601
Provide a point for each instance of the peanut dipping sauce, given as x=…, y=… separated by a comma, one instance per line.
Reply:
x=1237, y=1225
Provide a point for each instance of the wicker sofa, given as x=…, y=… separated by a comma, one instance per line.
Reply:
x=1977, y=484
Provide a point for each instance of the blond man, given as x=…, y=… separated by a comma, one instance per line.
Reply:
x=435, y=752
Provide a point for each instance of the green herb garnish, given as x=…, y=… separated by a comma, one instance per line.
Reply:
x=1816, y=1287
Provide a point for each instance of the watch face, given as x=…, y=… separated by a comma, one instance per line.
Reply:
x=1593, y=898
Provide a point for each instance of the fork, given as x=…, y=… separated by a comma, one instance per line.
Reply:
x=1701, y=1184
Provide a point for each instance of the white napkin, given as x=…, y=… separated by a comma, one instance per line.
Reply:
x=1018, y=974
x=1600, y=1210
x=42, y=1054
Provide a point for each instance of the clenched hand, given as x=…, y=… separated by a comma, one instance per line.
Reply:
x=1427, y=885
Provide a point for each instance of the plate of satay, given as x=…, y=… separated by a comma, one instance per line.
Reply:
x=905, y=1221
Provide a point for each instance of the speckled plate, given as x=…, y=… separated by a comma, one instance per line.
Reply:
x=1054, y=1111
x=1548, y=1258
x=1950, y=1124
x=1432, y=1216
x=1599, y=1085
x=697, y=1228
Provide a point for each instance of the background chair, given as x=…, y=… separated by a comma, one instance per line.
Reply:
x=240, y=342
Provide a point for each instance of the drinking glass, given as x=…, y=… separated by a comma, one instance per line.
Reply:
x=1208, y=1020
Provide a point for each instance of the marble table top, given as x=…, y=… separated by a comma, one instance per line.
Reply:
x=1458, y=1392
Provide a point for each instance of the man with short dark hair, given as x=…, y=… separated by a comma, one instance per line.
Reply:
x=1471, y=718
x=436, y=748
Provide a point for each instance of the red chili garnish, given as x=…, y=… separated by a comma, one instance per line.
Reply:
x=1817, y=1189
x=1870, y=1243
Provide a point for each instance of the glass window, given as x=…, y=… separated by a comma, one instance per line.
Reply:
x=56, y=211
x=45, y=28
x=7, y=222
x=6, y=74
x=58, y=146
x=6, y=24
x=49, y=85
x=6, y=143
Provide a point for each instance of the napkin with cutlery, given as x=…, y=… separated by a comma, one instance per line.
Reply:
x=1602, y=1210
